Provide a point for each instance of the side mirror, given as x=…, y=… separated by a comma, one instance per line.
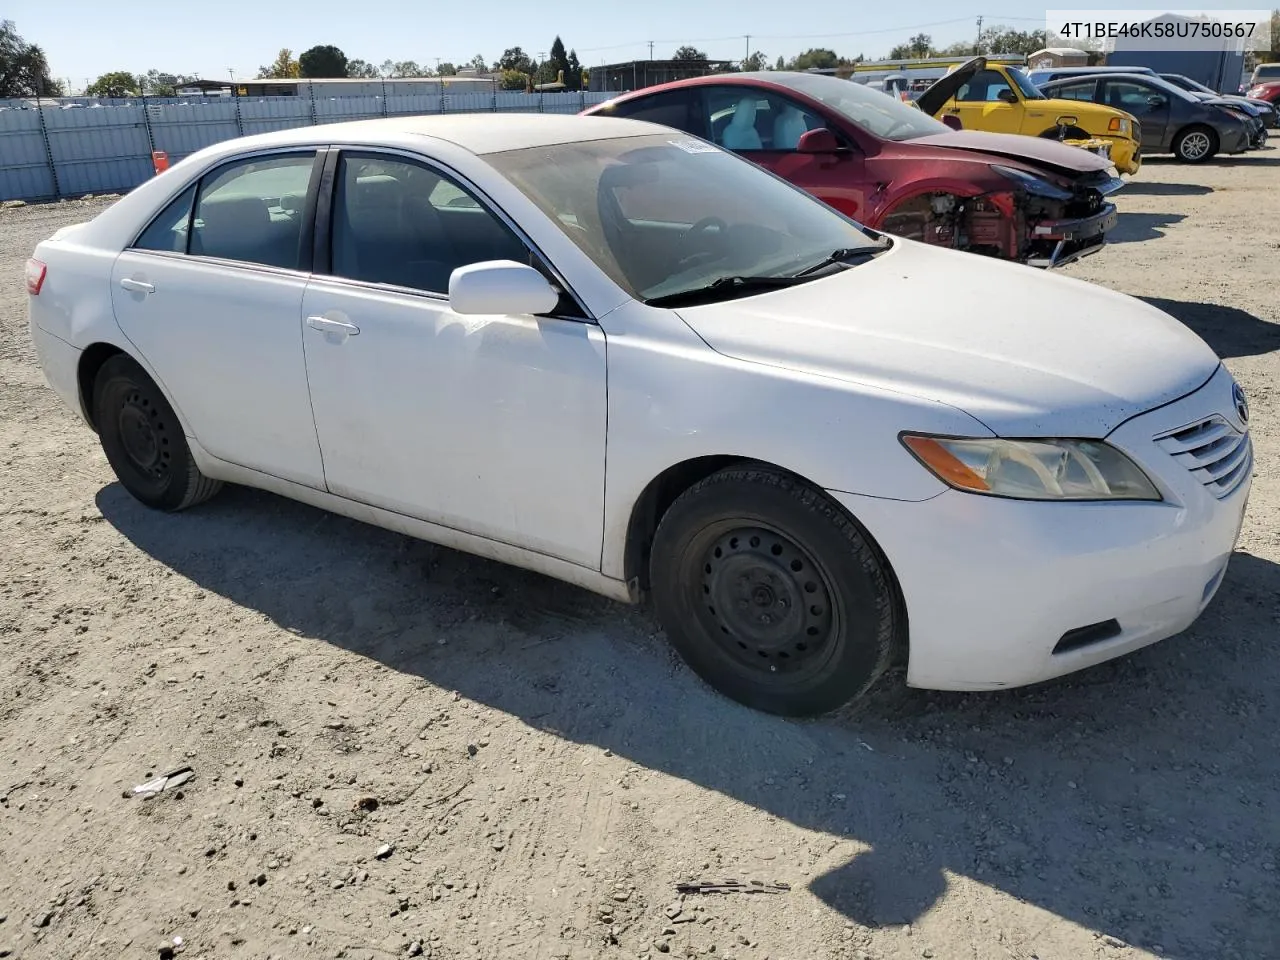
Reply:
x=952, y=121
x=820, y=140
x=1155, y=100
x=500, y=287
x=1007, y=95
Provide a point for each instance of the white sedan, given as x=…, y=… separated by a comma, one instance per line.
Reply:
x=605, y=351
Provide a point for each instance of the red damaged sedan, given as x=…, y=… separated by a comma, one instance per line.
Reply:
x=891, y=167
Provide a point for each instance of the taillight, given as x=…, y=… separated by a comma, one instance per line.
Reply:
x=35, y=276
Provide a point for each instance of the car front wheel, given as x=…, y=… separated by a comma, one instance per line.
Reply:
x=1195, y=145
x=772, y=594
x=142, y=438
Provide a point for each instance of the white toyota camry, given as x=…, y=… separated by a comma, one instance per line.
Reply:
x=600, y=349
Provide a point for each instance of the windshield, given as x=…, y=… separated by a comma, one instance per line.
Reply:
x=667, y=213
x=1025, y=87
x=1269, y=71
x=878, y=113
x=1186, y=83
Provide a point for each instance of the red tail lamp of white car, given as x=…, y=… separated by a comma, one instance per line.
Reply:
x=568, y=344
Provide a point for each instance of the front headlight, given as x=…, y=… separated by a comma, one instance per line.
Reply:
x=1034, y=185
x=1033, y=469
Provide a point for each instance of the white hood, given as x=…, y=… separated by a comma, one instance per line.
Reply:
x=1028, y=353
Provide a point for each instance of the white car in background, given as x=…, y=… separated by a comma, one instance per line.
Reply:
x=606, y=351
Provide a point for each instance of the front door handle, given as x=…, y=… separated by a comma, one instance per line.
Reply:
x=137, y=286
x=340, y=327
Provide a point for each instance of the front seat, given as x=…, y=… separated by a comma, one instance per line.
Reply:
x=741, y=132
x=789, y=128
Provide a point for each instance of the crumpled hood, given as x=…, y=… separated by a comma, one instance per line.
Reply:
x=1028, y=353
x=1035, y=151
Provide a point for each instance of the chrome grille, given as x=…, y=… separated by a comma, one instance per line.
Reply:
x=1215, y=452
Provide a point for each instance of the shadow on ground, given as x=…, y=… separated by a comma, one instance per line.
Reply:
x=1134, y=799
x=1154, y=189
x=1230, y=331
x=1135, y=227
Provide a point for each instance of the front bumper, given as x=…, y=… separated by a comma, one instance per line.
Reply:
x=1236, y=140
x=1003, y=593
x=1055, y=243
x=1126, y=154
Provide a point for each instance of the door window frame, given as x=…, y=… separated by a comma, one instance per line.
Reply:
x=306, y=241
x=322, y=236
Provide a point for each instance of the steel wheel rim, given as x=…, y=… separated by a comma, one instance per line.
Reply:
x=143, y=438
x=766, y=603
x=1195, y=145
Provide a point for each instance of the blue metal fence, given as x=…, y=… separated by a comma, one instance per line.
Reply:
x=52, y=152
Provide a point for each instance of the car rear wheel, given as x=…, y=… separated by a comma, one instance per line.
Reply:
x=1195, y=144
x=772, y=594
x=143, y=439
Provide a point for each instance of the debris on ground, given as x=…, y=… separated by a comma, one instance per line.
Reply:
x=732, y=886
x=168, y=781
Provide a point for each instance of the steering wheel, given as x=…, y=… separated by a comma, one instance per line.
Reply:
x=703, y=226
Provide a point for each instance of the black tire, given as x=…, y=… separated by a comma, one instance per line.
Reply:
x=1186, y=142
x=755, y=541
x=143, y=440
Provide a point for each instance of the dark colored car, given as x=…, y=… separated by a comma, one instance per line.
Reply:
x=1264, y=111
x=892, y=167
x=1173, y=121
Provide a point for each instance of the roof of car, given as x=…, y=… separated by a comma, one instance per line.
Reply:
x=480, y=133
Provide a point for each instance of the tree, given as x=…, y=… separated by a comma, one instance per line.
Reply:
x=921, y=45
x=780, y=65
x=478, y=63
x=757, y=61
x=818, y=57
x=115, y=85
x=322, y=63
x=514, y=80
x=283, y=67
x=559, y=58
x=159, y=84
x=573, y=76
x=513, y=58
x=362, y=70
x=24, y=70
x=900, y=52
x=689, y=53
x=446, y=69
x=1004, y=40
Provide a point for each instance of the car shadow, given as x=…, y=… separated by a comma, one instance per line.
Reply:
x=1136, y=227
x=1154, y=189
x=1231, y=332
x=1126, y=799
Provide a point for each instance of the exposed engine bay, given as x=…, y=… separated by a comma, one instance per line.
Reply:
x=1039, y=231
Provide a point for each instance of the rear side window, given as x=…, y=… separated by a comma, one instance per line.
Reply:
x=673, y=109
x=1082, y=90
x=252, y=211
x=168, y=231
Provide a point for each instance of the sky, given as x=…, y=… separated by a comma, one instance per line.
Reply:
x=84, y=39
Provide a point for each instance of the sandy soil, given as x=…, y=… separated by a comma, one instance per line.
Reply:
x=545, y=771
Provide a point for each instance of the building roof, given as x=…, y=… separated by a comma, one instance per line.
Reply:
x=288, y=81
x=479, y=133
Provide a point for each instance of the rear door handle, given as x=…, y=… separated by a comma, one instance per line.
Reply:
x=137, y=286
x=325, y=325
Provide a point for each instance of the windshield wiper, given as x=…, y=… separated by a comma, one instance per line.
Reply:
x=845, y=255
x=722, y=288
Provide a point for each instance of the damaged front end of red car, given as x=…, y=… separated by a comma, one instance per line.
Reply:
x=1033, y=221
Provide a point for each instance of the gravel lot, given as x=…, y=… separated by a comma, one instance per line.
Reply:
x=545, y=771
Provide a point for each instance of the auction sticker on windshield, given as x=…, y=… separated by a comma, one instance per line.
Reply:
x=693, y=146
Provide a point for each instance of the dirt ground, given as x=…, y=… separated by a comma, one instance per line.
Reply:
x=544, y=771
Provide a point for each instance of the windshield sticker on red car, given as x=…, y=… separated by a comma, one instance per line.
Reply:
x=693, y=146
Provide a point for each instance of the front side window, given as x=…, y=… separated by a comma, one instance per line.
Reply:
x=744, y=119
x=985, y=86
x=665, y=214
x=252, y=211
x=1134, y=98
x=402, y=223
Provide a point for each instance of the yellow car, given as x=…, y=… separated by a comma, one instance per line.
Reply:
x=999, y=98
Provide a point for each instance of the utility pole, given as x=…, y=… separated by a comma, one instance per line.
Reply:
x=977, y=44
x=650, y=49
